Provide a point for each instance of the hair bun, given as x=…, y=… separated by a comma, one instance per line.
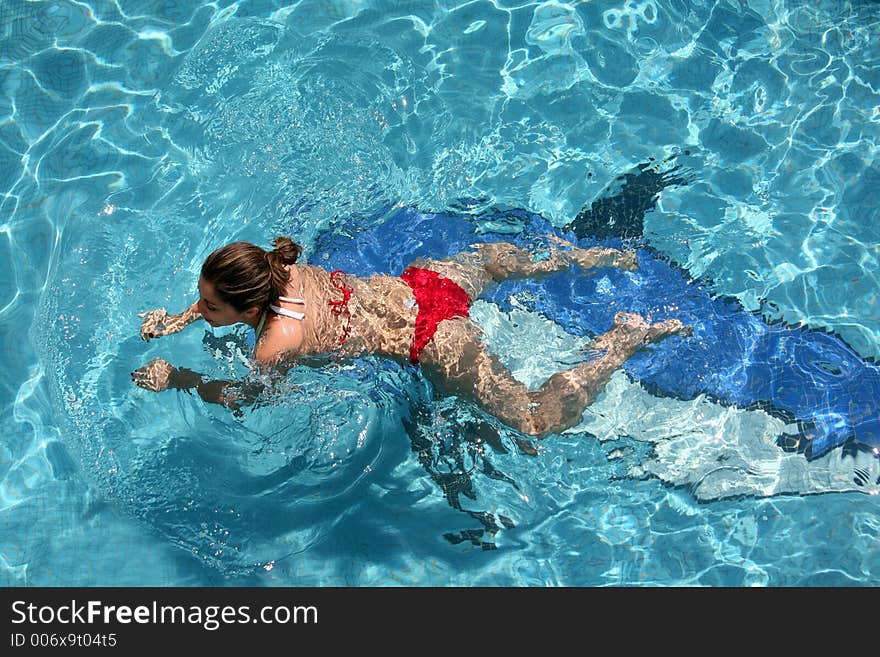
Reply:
x=286, y=251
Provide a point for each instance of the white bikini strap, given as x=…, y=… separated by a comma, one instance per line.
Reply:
x=288, y=313
x=289, y=300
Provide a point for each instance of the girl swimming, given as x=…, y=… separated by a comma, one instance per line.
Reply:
x=422, y=317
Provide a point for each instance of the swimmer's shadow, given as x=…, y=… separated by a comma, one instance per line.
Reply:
x=446, y=463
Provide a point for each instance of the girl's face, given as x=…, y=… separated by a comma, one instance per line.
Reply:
x=214, y=310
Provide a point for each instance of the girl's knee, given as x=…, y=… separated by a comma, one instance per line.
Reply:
x=546, y=417
x=531, y=420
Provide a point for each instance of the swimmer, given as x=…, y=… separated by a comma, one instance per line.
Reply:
x=421, y=317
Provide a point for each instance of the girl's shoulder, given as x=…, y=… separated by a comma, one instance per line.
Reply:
x=278, y=339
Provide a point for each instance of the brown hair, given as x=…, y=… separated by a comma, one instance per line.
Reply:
x=246, y=275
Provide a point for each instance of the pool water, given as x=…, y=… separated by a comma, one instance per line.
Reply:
x=136, y=137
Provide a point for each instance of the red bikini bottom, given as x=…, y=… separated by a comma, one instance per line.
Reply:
x=438, y=298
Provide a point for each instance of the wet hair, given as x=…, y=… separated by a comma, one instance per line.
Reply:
x=245, y=275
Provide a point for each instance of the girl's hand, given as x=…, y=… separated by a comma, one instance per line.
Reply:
x=153, y=319
x=155, y=375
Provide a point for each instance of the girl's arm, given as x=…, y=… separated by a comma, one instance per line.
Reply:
x=231, y=394
x=159, y=375
x=158, y=322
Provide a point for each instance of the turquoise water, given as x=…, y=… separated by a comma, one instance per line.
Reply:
x=136, y=137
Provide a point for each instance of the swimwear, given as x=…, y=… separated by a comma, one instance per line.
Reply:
x=340, y=306
x=438, y=298
x=337, y=307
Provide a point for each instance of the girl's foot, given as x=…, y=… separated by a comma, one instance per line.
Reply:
x=660, y=330
x=625, y=260
x=598, y=257
x=632, y=328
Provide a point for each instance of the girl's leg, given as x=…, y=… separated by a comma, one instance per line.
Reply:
x=499, y=261
x=459, y=363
